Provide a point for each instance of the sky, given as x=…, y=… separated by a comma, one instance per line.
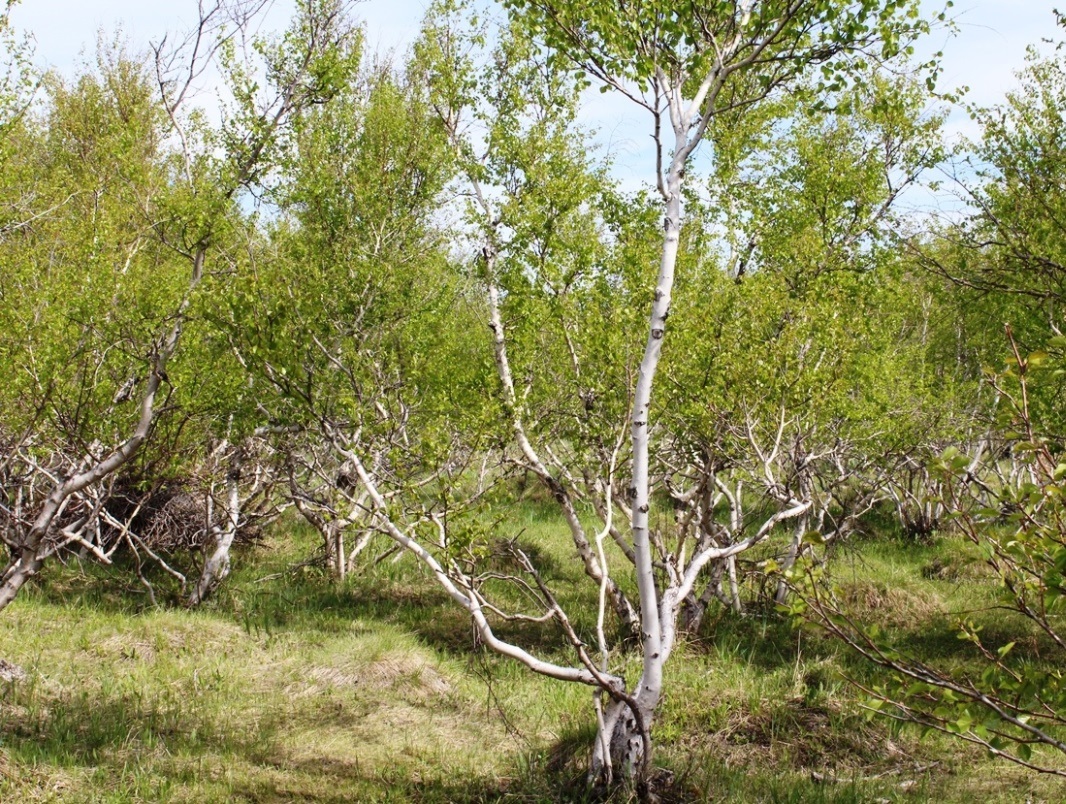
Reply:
x=989, y=47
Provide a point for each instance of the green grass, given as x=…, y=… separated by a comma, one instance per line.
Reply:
x=297, y=689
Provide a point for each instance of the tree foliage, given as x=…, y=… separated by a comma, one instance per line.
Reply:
x=391, y=293
x=1001, y=488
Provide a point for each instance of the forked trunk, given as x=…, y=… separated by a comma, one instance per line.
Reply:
x=655, y=643
x=622, y=745
x=217, y=566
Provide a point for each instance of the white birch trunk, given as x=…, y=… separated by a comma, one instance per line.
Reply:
x=656, y=644
x=794, y=547
x=734, y=586
x=217, y=566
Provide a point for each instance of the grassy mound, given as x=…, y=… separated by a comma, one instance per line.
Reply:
x=297, y=689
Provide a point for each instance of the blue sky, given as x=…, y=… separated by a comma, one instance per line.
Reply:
x=990, y=46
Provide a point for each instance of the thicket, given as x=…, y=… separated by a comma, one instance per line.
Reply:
x=385, y=295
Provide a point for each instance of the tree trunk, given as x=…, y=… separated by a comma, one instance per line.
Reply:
x=794, y=547
x=28, y=559
x=620, y=751
x=217, y=566
x=623, y=608
x=655, y=647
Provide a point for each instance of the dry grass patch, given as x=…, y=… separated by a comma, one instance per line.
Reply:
x=890, y=606
x=396, y=671
x=39, y=783
x=394, y=734
x=127, y=647
x=798, y=734
x=958, y=567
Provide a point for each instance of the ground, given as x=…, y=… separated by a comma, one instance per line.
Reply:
x=293, y=688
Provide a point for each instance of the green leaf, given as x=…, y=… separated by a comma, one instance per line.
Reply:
x=1037, y=358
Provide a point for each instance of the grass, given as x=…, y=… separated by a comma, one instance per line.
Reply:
x=297, y=689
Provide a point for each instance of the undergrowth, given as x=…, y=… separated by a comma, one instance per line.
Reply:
x=290, y=687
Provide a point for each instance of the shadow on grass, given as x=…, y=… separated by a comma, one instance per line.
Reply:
x=328, y=781
x=938, y=640
x=87, y=729
x=270, y=593
x=113, y=589
x=246, y=765
x=762, y=638
x=404, y=598
x=717, y=782
x=128, y=741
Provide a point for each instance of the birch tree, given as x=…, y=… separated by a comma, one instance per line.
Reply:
x=510, y=124
x=355, y=320
x=183, y=211
x=563, y=263
x=801, y=373
x=686, y=64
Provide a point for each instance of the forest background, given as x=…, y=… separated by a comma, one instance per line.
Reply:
x=338, y=386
